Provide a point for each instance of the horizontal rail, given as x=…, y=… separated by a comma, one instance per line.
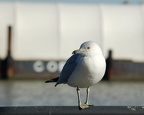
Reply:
x=72, y=110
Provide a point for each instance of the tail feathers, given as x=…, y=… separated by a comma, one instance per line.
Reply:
x=52, y=80
x=56, y=84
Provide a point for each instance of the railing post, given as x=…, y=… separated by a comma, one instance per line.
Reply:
x=5, y=62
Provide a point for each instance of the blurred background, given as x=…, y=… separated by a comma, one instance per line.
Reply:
x=38, y=36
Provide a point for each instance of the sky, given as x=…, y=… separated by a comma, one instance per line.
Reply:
x=83, y=1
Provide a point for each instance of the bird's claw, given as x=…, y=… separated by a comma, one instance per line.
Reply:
x=83, y=106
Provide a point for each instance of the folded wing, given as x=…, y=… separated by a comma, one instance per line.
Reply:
x=68, y=69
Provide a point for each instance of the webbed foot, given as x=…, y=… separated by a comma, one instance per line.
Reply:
x=83, y=106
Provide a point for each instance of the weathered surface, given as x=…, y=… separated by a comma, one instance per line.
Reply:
x=72, y=110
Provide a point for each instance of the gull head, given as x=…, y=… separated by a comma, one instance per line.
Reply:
x=88, y=48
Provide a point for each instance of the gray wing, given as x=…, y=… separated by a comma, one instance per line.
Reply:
x=67, y=69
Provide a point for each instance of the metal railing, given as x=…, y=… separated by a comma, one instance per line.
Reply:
x=72, y=110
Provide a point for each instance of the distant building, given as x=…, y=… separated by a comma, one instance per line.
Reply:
x=51, y=31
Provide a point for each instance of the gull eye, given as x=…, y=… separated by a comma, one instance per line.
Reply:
x=88, y=47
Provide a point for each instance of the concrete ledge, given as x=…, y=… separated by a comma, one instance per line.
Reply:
x=72, y=110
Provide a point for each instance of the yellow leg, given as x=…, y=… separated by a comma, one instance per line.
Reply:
x=87, y=95
x=81, y=106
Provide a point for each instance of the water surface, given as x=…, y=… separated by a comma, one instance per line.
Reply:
x=37, y=93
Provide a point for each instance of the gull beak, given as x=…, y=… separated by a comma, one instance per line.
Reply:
x=77, y=51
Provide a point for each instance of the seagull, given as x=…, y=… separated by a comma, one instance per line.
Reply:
x=85, y=68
